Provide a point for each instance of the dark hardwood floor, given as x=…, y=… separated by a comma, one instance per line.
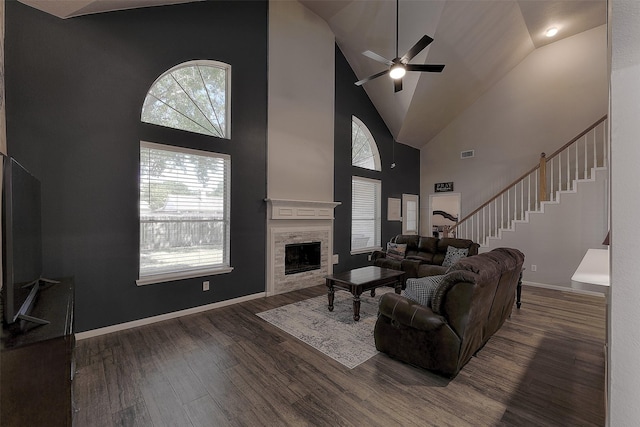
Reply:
x=227, y=367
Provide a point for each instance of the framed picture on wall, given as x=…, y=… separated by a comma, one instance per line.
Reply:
x=394, y=207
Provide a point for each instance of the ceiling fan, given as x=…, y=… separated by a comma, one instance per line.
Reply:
x=400, y=65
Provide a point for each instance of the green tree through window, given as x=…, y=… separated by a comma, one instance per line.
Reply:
x=184, y=211
x=193, y=96
x=364, y=151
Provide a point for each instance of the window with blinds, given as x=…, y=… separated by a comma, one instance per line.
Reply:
x=365, y=214
x=184, y=213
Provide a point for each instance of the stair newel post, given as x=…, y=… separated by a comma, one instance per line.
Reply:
x=543, y=177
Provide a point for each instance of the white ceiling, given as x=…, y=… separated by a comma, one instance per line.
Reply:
x=479, y=41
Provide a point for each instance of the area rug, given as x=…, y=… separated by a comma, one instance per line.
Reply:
x=334, y=333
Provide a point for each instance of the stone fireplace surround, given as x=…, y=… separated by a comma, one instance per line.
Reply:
x=297, y=221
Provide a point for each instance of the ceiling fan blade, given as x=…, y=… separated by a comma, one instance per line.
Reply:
x=377, y=57
x=416, y=49
x=363, y=81
x=397, y=85
x=425, y=68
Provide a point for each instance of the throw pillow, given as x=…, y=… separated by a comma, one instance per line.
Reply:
x=454, y=255
x=396, y=250
x=422, y=290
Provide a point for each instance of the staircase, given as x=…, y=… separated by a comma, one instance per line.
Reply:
x=583, y=159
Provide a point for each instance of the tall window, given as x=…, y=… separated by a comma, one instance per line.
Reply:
x=193, y=96
x=410, y=213
x=364, y=151
x=184, y=213
x=365, y=214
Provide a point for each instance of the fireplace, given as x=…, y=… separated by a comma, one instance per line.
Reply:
x=306, y=226
x=301, y=257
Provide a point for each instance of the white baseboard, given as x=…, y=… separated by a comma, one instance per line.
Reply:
x=167, y=316
x=563, y=288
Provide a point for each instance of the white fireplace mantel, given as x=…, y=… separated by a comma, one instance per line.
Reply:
x=300, y=209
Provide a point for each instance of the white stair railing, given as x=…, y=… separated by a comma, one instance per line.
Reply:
x=574, y=161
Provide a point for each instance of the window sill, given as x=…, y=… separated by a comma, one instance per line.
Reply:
x=366, y=250
x=170, y=277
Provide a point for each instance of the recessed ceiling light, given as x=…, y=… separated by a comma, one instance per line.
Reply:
x=551, y=32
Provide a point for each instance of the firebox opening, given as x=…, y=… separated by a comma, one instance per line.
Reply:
x=301, y=257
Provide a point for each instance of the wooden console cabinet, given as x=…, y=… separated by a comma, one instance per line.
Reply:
x=37, y=364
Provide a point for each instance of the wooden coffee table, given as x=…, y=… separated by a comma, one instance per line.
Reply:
x=363, y=279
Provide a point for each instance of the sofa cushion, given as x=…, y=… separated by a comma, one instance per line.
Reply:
x=396, y=250
x=454, y=255
x=422, y=290
x=428, y=244
x=409, y=239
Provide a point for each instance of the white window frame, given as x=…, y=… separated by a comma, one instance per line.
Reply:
x=225, y=267
x=377, y=216
x=372, y=145
x=207, y=63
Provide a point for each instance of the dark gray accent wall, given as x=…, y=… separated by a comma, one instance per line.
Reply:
x=404, y=178
x=74, y=93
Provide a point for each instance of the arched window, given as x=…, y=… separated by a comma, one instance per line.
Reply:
x=364, y=151
x=192, y=96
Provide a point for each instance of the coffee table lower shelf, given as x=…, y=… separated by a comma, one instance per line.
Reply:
x=361, y=280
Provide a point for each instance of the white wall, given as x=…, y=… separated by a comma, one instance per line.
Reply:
x=301, y=104
x=545, y=101
x=624, y=333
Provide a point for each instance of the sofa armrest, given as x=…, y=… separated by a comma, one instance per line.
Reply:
x=431, y=270
x=403, y=311
x=410, y=267
x=378, y=254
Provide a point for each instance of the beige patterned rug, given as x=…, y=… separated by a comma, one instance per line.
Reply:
x=334, y=333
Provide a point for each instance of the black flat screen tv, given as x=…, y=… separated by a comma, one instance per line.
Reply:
x=22, y=241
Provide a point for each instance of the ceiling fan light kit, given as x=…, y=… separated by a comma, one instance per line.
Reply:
x=400, y=65
x=397, y=71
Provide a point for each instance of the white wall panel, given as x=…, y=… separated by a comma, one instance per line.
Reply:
x=301, y=104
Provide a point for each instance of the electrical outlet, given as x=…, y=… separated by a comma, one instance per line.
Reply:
x=205, y=285
x=534, y=267
x=335, y=259
x=369, y=257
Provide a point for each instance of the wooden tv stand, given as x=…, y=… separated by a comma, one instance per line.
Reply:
x=37, y=364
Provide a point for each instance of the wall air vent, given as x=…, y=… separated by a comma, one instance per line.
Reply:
x=467, y=154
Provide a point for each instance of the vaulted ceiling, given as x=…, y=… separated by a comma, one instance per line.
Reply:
x=479, y=41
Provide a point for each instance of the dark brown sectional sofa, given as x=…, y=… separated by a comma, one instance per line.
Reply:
x=424, y=255
x=469, y=304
